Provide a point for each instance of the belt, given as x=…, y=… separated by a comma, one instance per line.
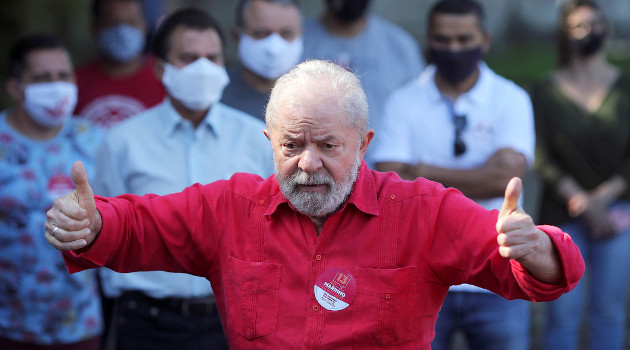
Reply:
x=184, y=306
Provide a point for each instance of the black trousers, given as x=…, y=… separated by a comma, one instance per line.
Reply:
x=140, y=322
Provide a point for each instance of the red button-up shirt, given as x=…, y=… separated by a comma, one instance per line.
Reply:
x=403, y=242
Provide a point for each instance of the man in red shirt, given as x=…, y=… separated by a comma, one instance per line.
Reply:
x=327, y=253
x=120, y=83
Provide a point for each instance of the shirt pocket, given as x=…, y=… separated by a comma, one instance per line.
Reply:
x=256, y=288
x=385, y=309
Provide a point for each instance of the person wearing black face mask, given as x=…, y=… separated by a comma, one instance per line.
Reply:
x=464, y=126
x=381, y=53
x=583, y=130
x=347, y=11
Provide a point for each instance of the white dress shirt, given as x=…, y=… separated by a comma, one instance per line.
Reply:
x=418, y=126
x=157, y=151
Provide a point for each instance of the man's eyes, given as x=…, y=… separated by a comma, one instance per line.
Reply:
x=291, y=145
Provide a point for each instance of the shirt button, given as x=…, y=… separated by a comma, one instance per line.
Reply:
x=262, y=201
x=315, y=308
x=318, y=257
x=393, y=196
x=250, y=286
x=388, y=296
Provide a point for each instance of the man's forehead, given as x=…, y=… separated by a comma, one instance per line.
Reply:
x=121, y=10
x=454, y=24
x=317, y=118
x=265, y=13
x=184, y=37
x=48, y=59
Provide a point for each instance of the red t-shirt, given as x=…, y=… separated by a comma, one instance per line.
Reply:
x=106, y=101
x=390, y=253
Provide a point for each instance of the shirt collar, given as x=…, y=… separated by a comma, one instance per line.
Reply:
x=172, y=120
x=481, y=89
x=363, y=195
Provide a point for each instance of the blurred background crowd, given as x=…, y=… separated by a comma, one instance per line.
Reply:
x=523, y=31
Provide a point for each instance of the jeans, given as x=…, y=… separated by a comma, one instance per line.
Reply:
x=489, y=322
x=604, y=295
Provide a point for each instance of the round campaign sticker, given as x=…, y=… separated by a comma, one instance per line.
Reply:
x=59, y=185
x=335, y=289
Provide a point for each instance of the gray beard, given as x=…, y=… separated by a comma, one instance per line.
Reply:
x=318, y=204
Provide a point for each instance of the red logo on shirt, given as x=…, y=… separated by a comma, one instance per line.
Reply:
x=59, y=185
x=341, y=280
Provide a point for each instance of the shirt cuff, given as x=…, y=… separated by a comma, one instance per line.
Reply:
x=98, y=253
x=571, y=263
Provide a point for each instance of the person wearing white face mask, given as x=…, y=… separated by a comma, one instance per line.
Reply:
x=120, y=82
x=40, y=305
x=189, y=138
x=269, y=41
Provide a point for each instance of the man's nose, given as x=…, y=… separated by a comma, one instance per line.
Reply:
x=455, y=46
x=310, y=160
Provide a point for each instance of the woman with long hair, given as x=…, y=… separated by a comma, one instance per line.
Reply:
x=582, y=112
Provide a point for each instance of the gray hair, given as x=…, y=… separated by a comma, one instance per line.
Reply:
x=242, y=5
x=321, y=76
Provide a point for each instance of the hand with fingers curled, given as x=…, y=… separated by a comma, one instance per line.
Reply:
x=521, y=240
x=73, y=221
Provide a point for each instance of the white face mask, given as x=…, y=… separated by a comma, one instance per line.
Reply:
x=270, y=57
x=50, y=103
x=197, y=85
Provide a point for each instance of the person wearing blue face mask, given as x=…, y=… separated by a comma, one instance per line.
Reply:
x=189, y=138
x=461, y=124
x=120, y=82
x=268, y=35
x=41, y=307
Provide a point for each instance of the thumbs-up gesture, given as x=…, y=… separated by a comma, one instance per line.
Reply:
x=521, y=240
x=73, y=222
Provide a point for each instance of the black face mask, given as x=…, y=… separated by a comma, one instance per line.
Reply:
x=455, y=66
x=590, y=43
x=348, y=10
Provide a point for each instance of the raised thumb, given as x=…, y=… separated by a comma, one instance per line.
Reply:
x=512, y=194
x=85, y=196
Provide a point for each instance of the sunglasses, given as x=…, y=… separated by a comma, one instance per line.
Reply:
x=460, y=124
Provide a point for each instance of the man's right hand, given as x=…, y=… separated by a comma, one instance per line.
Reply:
x=73, y=222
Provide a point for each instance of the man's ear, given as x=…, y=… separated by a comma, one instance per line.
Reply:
x=487, y=40
x=267, y=134
x=236, y=35
x=365, y=141
x=158, y=68
x=15, y=90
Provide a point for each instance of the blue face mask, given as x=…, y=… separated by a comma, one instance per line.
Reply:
x=121, y=42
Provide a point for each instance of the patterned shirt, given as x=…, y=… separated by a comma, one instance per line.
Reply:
x=39, y=301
